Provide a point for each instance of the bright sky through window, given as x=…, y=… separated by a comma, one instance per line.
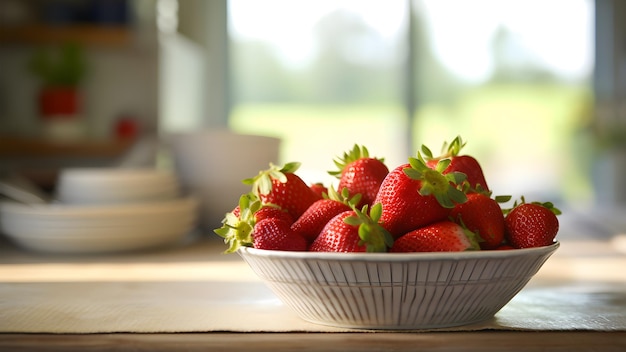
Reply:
x=289, y=25
x=462, y=31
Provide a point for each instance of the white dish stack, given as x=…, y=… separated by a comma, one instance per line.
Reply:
x=115, y=186
x=101, y=210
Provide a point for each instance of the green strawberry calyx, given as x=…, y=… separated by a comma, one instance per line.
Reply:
x=372, y=235
x=434, y=182
x=343, y=197
x=262, y=182
x=448, y=150
x=237, y=230
x=357, y=152
x=474, y=238
x=466, y=188
x=548, y=205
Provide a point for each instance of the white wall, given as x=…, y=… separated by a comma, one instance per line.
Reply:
x=120, y=79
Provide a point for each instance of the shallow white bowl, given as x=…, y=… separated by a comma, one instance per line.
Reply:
x=60, y=211
x=115, y=185
x=59, y=228
x=396, y=290
x=86, y=244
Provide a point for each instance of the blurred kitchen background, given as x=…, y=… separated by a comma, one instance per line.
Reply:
x=537, y=88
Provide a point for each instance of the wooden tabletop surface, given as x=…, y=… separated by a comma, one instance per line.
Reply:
x=482, y=341
x=570, y=266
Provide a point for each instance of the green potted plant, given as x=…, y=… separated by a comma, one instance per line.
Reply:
x=61, y=73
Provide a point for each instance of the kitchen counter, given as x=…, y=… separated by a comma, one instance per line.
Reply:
x=192, y=297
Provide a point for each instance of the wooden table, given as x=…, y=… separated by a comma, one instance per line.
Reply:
x=483, y=341
x=579, y=261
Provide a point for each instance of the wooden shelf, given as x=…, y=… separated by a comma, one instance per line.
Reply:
x=14, y=147
x=87, y=34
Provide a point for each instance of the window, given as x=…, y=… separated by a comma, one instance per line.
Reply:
x=515, y=82
x=512, y=78
x=322, y=75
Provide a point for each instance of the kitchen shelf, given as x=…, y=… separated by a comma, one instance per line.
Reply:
x=16, y=147
x=87, y=34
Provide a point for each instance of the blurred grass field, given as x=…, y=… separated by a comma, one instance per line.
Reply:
x=526, y=137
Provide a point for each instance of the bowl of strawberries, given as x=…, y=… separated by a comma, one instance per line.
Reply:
x=423, y=245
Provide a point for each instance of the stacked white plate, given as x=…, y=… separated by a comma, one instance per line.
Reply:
x=115, y=186
x=125, y=210
x=59, y=228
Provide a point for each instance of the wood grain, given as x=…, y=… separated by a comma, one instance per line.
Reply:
x=463, y=341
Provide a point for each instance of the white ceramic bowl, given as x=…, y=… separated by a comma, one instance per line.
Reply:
x=115, y=185
x=396, y=290
x=61, y=228
x=212, y=163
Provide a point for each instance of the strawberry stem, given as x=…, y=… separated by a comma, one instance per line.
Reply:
x=343, y=197
x=375, y=237
x=549, y=205
x=262, y=182
x=502, y=199
x=448, y=150
x=357, y=152
x=473, y=238
x=435, y=183
x=237, y=230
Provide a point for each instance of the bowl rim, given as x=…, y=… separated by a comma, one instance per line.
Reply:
x=398, y=257
x=116, y=173
x=54, y=209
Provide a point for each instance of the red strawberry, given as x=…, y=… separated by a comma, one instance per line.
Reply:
x=269, y=211
x=311, y=222
x=238, y=224
x=353, y=231
x=276, y=234
x=360, y=173
x=531, y=224
x=459, y=163
x=414, y=195
x=319, y=189
x=283, y=188
x=483, y=216
x=442, y=236
x=236, y=211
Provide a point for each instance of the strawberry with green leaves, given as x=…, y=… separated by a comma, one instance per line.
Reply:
x=275, y=233
x=237, y=225
x=271, y=211
x=414, y=195
x=252, y=224
x=311, y=222
x=283, y=188
x=354, y=231
x=360, y=174
x=442, y=236
x=531, y=224
x=466, y=164
x=482, y=215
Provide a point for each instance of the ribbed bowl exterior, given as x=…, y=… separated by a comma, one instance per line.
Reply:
x=396, y=291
